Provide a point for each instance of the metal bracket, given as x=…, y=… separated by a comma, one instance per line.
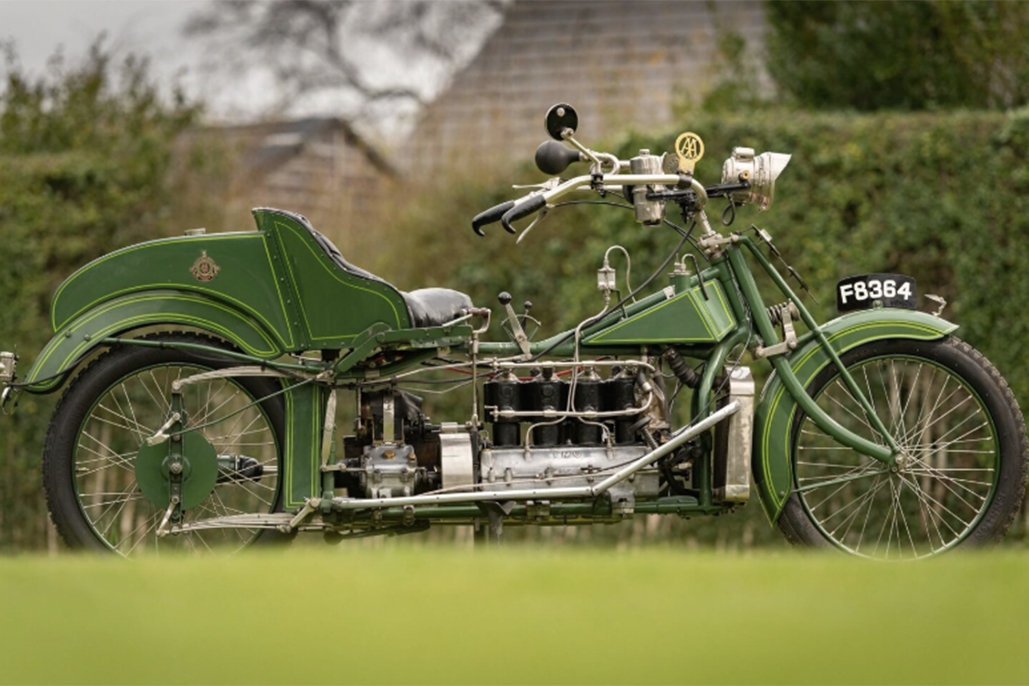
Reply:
x=939, y=300
x=389, y=427
x=789, y=336
x=162, y=434
x=537, y=510
x=310, y=505
x=162, y=529
x=711, y=241
x=623, y=504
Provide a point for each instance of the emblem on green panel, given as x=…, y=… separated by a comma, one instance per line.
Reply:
x=205, y=268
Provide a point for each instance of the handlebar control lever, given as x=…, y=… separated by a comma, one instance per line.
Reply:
x=516, y=325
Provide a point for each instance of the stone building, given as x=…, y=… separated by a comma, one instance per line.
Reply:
x=318, y=167
x=618, y=62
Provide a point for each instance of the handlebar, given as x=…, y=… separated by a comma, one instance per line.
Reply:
x=491, y=215
x=516, y=209
x=524, y=208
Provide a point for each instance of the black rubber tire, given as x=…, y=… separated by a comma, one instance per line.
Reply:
x=80, y=396
x=971, y=366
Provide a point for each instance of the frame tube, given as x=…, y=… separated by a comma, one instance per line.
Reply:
x=790, y=381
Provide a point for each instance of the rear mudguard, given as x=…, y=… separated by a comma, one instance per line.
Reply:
x=82, y=334
x=772, y=464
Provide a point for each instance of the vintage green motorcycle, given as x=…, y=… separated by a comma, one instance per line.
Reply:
x=205, y=374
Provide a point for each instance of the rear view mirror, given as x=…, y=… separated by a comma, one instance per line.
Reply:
x=561, y=118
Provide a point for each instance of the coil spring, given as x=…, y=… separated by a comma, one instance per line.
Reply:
x=775, y=312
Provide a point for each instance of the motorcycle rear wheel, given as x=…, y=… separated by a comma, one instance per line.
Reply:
x=960, y=426
x=89, y=458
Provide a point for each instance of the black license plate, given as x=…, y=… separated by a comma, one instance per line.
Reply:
x=876, y=290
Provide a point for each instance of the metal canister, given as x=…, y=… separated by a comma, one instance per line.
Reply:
x=647, y=211
x=8, y=364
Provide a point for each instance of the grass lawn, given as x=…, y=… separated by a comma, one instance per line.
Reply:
x=413, y=614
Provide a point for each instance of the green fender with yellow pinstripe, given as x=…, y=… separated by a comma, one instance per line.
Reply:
x=85, y=332
x=773, y=420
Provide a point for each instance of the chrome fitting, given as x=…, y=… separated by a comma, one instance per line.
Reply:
x=8, y=367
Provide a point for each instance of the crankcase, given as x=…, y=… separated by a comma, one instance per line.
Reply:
x=567, y=466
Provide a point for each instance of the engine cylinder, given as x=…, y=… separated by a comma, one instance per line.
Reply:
x=541, y=394
x=619, y=393
x=587, y=398
x=504, y=394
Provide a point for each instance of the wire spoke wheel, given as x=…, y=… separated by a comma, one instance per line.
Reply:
x=958, y=430
x=91, y=467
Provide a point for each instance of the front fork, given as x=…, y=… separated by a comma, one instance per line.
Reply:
x=889, y=454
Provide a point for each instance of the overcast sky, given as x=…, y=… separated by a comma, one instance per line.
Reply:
x=39, y=27
x=154, y=28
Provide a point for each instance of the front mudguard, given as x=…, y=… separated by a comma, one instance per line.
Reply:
x=87, y=331
x=773, y=420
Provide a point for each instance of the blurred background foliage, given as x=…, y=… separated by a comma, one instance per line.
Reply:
x=900, y=55
x=906, y=121
x=88, y=163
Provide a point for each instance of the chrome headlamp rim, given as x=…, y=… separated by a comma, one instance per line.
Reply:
x=761, y=171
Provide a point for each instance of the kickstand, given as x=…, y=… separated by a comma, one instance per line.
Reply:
x=492, y=532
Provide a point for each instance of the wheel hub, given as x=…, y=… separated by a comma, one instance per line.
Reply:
x=192, y=463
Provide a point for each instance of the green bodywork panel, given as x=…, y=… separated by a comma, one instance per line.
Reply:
x=686, y=317
x=334, y=306
x=269, y=292
x=245, y=280
x=305, y=415
x=772, y=461
x=81, y=335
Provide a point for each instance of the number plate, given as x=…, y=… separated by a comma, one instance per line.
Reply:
x=876, y=290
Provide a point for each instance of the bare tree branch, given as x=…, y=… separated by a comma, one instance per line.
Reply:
x=316, y=46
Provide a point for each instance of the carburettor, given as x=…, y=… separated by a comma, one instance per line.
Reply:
x=389, y=471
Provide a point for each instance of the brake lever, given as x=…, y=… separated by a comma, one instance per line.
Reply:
x=539, y=217
x=548, y=185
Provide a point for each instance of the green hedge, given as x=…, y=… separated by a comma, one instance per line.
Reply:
x=86, y=165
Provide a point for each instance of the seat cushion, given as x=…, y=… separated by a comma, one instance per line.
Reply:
x=435, y=306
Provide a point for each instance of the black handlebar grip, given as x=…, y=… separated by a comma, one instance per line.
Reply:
x=552, y=157
x=489, y=216
x=522, y=209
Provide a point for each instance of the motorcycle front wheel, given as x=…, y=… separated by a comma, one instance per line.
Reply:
x=960, y=429
x=90, y=468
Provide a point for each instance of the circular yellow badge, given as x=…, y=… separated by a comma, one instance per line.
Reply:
x=689, y=148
